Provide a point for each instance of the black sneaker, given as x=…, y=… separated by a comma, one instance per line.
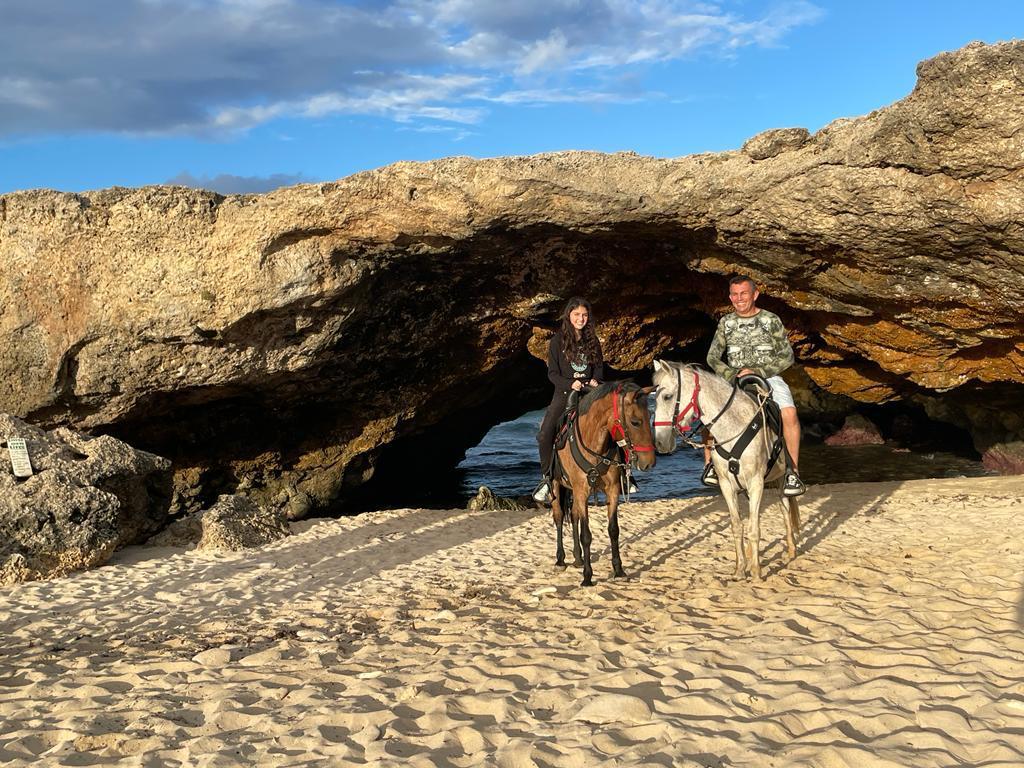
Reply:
x=793, y=485
x=542, y=493
x=709, y=477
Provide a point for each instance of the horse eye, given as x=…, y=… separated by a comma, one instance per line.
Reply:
x=666, y=397
x=635, y=422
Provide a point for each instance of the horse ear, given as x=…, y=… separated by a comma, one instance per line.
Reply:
x=657, y=365
x=648, y=390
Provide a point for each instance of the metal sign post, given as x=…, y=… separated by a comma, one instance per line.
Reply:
x=20, y=462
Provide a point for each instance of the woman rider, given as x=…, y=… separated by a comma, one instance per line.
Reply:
x=574, y=362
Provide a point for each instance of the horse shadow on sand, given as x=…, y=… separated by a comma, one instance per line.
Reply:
x=821, y=513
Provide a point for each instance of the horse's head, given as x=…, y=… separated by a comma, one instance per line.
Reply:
x=636, y=421
x=675, y=404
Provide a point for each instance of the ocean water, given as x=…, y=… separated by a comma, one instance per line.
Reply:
x=506, y=461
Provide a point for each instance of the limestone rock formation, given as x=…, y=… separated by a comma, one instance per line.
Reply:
x=297, y=344
x=87, y=497
x=856, y=430
x=485, y=499
x=775, y=142
x=233, y=523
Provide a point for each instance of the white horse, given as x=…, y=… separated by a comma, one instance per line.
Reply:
x=687, y=395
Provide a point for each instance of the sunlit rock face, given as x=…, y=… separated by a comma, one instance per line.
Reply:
x=291, y=345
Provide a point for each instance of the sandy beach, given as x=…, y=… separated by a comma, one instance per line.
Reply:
x=448, y=638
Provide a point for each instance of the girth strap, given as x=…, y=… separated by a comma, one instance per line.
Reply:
x=733, y=456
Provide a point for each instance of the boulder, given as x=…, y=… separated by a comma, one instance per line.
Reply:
x=486, y=500
x=87, y=497
x=856, y=430
x=1005, y=458
x=233, y=523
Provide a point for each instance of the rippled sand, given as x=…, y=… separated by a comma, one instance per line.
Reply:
x=416, y=637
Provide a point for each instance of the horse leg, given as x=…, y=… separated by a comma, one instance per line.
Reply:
x=730, y=493
x=612, y=492
x=792, y=510
x=579, y=513
x=577, y=553
x=559, y=517
x=755, y=490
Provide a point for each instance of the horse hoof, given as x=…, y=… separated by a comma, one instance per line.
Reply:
x=620, y=575
x=577, y=563
x=586, y=583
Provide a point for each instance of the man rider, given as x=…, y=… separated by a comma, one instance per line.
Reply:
x=753, y=340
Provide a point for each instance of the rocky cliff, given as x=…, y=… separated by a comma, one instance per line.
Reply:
x=290, y=345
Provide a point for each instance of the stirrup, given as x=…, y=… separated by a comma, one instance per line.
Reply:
x=793, y=485
x=709, y=477
x=542, y=493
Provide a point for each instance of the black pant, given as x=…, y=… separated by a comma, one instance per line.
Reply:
x=548, y=427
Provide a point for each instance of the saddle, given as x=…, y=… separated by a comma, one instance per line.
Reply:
x=567, y=419
x=759, y=389
x=769, y=416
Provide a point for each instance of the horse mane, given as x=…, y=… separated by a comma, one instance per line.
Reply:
x=690, y=367
x=628, y=385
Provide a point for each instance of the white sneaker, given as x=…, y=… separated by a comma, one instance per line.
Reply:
x=709, y=477
x=793, y=485
x=542, y=494
x=632, y=487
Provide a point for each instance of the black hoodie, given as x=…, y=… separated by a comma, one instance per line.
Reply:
x=563, y=373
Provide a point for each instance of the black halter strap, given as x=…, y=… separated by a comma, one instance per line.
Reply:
x=603, y=461
x=754, y=428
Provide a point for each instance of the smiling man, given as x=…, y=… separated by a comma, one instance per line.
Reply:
x=753, y=340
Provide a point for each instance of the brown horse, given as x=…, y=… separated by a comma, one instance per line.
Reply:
x=611, y=417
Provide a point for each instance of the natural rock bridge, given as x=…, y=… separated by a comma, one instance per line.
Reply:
x=290, y=344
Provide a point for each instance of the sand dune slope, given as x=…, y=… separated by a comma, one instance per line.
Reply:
x=430, y=638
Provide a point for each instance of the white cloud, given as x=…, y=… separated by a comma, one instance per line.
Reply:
x=549, y=53
x=206, y=67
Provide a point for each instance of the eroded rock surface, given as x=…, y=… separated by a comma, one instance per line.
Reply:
x=87, y=497
x=856, y=430
x=297, y=343
x=486, y=499
x=233, y=523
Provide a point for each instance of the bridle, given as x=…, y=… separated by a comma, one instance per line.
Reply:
x=693, y=422
x=618, y=430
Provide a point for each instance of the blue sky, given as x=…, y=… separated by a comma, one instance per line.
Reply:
x=246, y=95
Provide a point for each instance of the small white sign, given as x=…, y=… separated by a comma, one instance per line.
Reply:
x=20, y=462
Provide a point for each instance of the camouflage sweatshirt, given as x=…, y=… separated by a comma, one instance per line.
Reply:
x=758, y=343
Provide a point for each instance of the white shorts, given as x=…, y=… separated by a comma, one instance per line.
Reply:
x=780, y=392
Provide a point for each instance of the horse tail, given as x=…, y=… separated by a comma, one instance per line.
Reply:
x=793, y=510
x=565, y=499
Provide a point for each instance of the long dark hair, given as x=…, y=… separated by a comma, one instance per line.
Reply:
x=587, y=343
